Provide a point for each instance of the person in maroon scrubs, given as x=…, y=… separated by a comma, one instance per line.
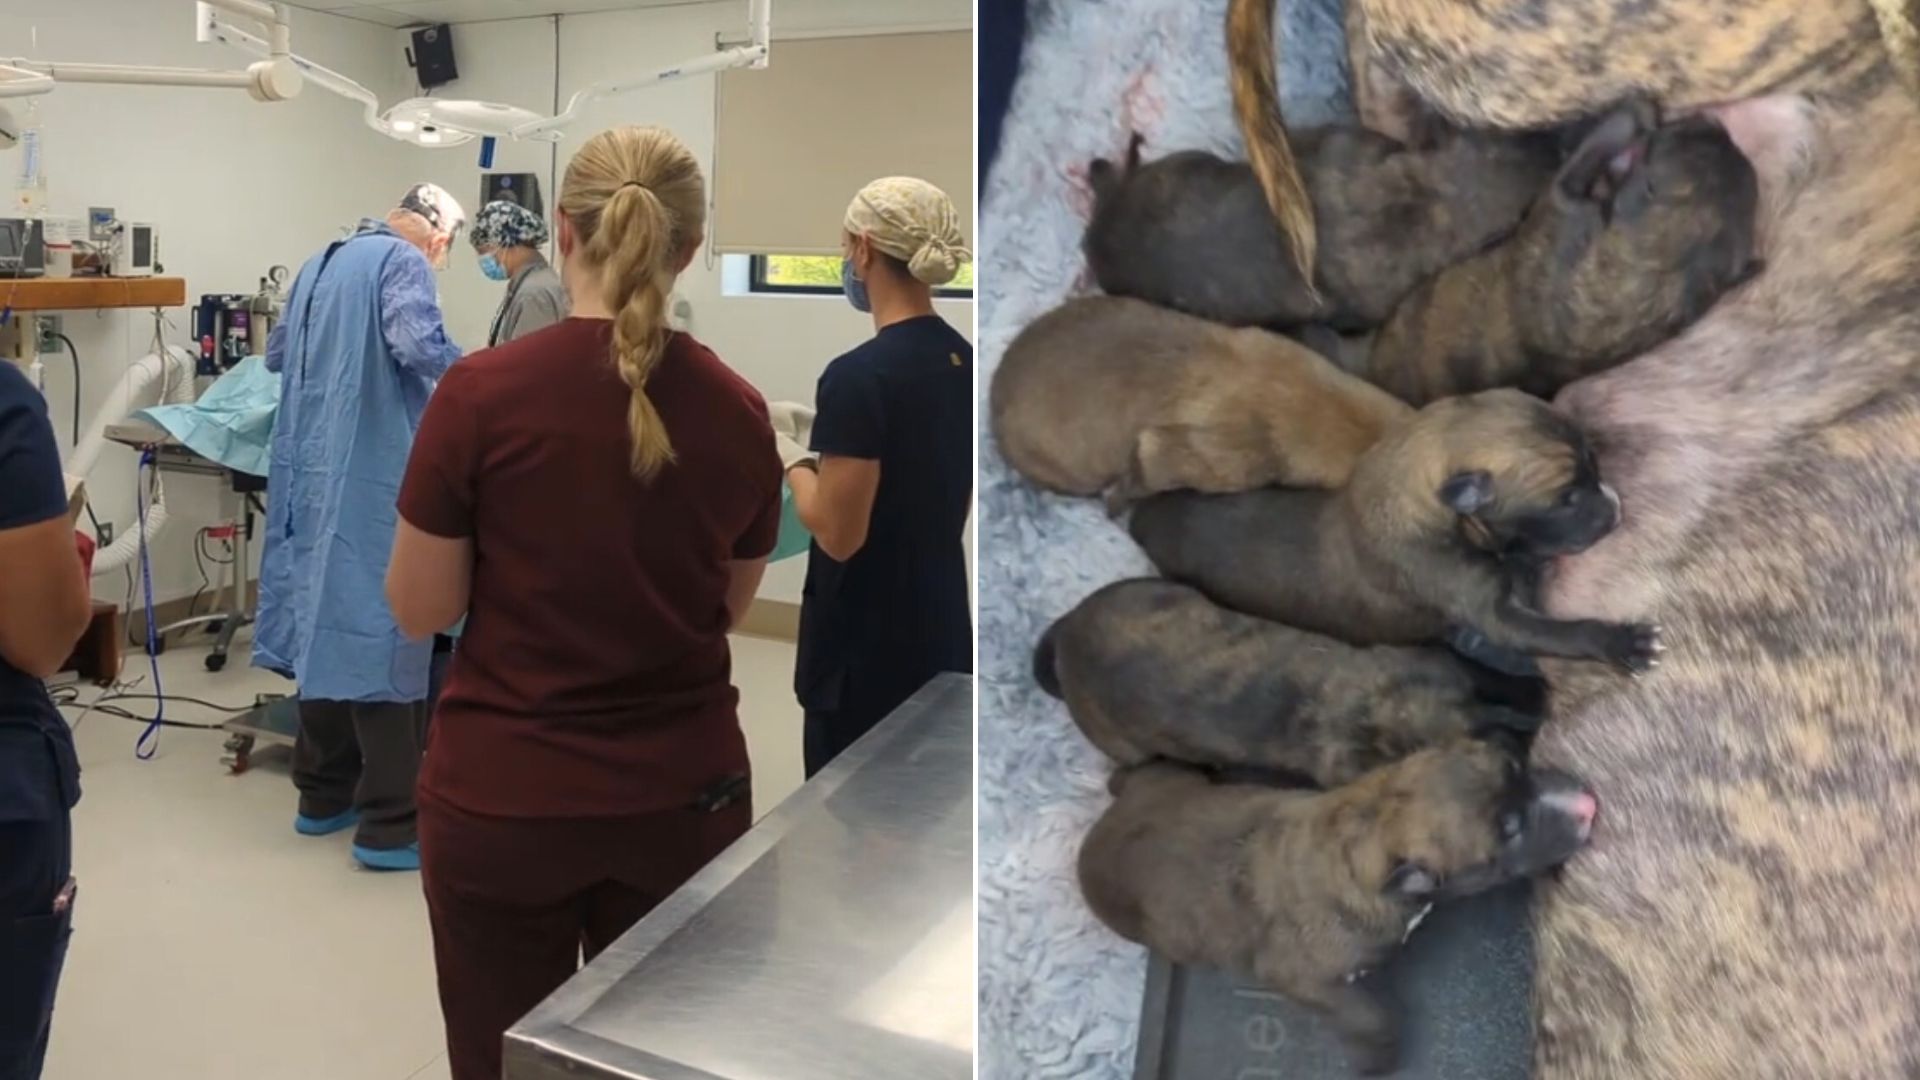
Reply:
x=598, y=500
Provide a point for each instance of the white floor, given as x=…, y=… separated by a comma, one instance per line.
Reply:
x=212, y=942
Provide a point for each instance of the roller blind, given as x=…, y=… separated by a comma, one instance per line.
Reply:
x=796, y=141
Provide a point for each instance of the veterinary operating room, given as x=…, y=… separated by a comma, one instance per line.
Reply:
x=485, y=578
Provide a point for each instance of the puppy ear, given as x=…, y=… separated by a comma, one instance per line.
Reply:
x=1591, y=163
x=1411, y=880
x=1466, y=492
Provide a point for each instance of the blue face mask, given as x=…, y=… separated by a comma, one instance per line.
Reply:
x=856, y=289
x=490, y=266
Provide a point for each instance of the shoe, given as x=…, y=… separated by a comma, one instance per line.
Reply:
x=403, y=858
x=307, y=826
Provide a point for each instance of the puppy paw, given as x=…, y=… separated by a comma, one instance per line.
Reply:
x=1635, y=647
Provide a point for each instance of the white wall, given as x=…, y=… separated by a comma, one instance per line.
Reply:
x=781, y=344
x=237, y=186
x=233, y=186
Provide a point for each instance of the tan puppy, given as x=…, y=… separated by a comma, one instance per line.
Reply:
x=1113, y=396
x=1643, y=231
x=1151, y=668
x=1306, y=891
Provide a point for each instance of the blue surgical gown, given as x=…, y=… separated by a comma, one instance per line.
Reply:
x=359, y=350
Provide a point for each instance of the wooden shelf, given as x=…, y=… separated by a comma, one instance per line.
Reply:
x=85, y=294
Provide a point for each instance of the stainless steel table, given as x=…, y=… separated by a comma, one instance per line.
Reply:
x=833, y=942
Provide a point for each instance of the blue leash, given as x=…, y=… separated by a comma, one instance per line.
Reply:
x=149, y=741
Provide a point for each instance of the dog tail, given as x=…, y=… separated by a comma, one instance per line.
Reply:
x=1256, y=107
x=1044, y=670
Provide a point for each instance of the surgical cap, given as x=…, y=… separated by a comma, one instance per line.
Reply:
x=503, y=224
x=441, y=210
x=913, y=221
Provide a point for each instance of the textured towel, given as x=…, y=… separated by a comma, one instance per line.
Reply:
x=1059, y=995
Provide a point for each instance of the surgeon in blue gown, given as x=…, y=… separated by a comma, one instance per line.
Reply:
x=359, y=351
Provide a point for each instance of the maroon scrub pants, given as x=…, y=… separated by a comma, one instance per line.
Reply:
x=516, y=903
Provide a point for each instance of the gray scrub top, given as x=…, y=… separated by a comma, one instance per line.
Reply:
x=535, y=300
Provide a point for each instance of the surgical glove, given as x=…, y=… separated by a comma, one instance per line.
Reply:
x=791, y=452
x=792, y=419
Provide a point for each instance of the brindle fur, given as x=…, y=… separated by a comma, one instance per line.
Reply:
x=1192, y=231
x=1150, y=668
x=1113, y=395
x=1522, y=64
x=1607, y=265
x=1437, y=530
x=1303, y=890
x=1752, y=912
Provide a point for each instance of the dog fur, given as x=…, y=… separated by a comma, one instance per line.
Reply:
x=1192, y=231
x=1305, y=891
x=1152, y=668
x=1116, y=396
x=1524, y=64
x=1642, y=231
x=1437, y=534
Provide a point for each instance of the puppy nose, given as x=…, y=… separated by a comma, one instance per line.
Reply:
x=1583, y=808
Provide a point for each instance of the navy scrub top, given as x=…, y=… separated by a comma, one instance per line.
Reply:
x=39, y=774
x=877, y=627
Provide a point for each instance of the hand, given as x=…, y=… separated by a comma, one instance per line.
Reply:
x=792, y=419
x=792, y=453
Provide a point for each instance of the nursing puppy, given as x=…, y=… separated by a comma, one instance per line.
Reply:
x=1192, y=231
x=1151, y=668
x=1641, y=232
x=1439, y=534
x=1530, y=64
x=1116, y=396
x=1305, y=891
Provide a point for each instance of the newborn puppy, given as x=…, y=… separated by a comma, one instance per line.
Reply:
x=1442, y=528
x=1117, y=396
x=1150, y=668
x=1305, y=891
x=1193, y=232
x=1641, y=232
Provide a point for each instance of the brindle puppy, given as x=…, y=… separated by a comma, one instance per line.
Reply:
x=1113, y=395
x=1191, y=231
x=1150, y=668
x=1306, y=891
x=1530, y=64
x=1638, y=236
x=1438, y=533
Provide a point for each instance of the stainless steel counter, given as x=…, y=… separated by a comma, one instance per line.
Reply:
x=833, y=942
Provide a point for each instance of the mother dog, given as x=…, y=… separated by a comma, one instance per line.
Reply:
x=1750, y=907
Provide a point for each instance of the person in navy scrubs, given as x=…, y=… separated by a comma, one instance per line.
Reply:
x=882, y=476
x=44, y=608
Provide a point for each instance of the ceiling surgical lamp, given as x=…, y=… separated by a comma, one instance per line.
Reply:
x=447, y=122
x=275, y=78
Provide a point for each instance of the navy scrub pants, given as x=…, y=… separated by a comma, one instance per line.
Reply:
x=36, y=919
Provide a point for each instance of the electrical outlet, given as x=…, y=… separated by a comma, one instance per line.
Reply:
x=48, y=328
x=106, y=533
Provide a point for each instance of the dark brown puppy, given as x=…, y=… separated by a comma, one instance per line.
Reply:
x=1638, y=236
x=1192, y=231
x=1305, y=891
x=1116, y=396
x=1438, y=535
x=1151, y=668
x=1530, y=64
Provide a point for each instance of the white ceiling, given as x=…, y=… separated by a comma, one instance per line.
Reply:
x=418, y=12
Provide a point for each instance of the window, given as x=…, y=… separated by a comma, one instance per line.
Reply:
x=820, y=275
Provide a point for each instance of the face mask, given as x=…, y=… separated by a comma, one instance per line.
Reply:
x=855, y=289
x=490, y=266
